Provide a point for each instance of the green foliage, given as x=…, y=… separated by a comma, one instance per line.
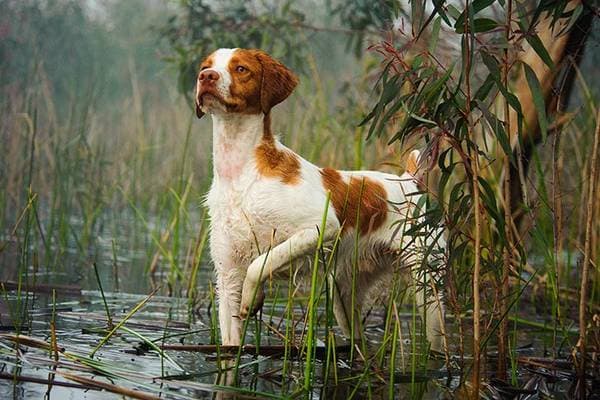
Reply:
x=33, y=39
x=202, y=27
x=361, y=16
x=73, y=53
x=457, y=109
x=137, y=180
x=283, y=29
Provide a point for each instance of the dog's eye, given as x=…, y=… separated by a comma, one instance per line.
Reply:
x=241, y=68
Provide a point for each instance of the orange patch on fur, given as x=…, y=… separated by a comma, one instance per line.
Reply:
x=274, y=163
x=277, y=81
x=245, y=84
x=207, y=62
x=362, y=198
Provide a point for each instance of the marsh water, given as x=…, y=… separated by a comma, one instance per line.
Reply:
x=58, y=299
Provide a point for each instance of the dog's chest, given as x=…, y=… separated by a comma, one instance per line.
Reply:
x=244, y=221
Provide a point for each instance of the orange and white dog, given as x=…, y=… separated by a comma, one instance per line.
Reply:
x=266, y=203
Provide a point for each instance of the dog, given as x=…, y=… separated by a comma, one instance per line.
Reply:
x=266, y=203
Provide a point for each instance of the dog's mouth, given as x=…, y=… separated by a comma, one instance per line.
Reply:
x=210, y=98
x=209, y=95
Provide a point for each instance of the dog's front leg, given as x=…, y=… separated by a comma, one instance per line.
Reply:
x=299, y=244
x=229, y=277
x=228, y=295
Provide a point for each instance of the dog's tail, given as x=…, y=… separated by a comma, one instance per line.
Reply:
x=415, y=167
x=412, y=163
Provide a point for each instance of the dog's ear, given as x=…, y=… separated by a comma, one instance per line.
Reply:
x=277, y=81
x=412, y=163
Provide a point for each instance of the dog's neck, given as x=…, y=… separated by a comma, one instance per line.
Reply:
x=235, y=136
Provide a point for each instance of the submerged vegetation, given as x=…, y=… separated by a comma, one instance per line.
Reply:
x=105, y=279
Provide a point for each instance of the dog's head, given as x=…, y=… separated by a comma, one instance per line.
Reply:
x=242, y=81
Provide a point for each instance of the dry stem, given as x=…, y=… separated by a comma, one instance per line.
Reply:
x=586, y=259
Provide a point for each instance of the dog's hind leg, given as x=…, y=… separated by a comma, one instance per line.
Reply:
x=429, y=300
x=347, y=316
x=423, y=254
x=349, y=286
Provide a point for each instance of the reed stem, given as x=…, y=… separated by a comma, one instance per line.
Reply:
x=587, y=260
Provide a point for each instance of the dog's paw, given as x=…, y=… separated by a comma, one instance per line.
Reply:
x=248, y=307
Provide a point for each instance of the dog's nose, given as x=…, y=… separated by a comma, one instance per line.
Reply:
x=208, y=75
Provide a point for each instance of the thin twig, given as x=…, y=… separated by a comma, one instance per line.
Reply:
x=96, y=384
x=476, y=211
x=42, y=381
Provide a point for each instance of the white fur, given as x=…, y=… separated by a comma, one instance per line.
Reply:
x=220, y=63
x=259, y=224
